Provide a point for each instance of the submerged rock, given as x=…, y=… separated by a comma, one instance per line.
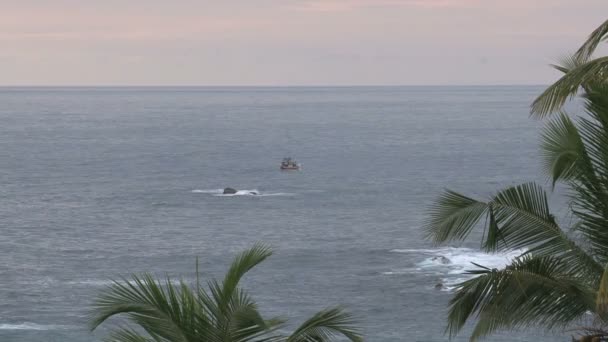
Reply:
x=442, y=260
x=229, y=191
x=439, y=286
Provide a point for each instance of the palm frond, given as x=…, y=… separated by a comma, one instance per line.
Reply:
x=554, y=97
x=561, y=148
x=245, y=321
x=568, y=63
x=325, y=325
x=166, y=312
x=522, y=213
x=587, y=49
x=601, y=302
x=518, y=217
x=590, y=188
x=532, y=291
x=453, y=216
x=243, y=263
x=145, y=301
x=127, y=335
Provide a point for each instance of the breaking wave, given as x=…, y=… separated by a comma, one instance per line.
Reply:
x=252, y=192
x=451, y=263
x=32, y=326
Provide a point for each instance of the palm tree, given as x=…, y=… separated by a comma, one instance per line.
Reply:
x=163, y=311
x=562, y=278
x=583, y=72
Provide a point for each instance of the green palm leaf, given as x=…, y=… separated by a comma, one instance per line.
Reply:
x=554, y=97
x=453, y=216
x=532, y=291
x=568, y=63
x=562, y=277
x=224, y=313
x=579, y=71
x=128, y=335
x=518, y=217
x=325, y=325
x=596, y=37
x=243, y=263
x=601, y=301
x=145, y=301
x=561, y=148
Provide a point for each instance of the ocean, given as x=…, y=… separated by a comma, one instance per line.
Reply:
x=99, y=183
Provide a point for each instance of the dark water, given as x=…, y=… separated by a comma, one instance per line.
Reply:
x=101, y=182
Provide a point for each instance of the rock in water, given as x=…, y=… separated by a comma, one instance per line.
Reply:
x=229, y=191
x=439, y=286
x=442, y=260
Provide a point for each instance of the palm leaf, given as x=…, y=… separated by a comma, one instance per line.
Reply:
x=173, y=313
x=561, y=148
x=587, y=49
x=127, y=335
x=568, y=63
x=145, y=301
x=518, y=218
x=590, y=187
x=243, y=263
x=532, y=291
x=601, y=302
x=525, y=222
x=554, y=97
x=453, y=216
x=325, y=325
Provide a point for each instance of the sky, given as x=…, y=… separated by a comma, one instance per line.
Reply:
x=290, y=42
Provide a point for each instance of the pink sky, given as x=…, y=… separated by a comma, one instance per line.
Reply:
x=289, y=42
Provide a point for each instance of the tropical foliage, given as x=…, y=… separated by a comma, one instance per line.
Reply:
x=224, y=312
x=562, y=278
x=582, y=71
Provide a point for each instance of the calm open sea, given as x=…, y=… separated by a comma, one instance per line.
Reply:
x=96, y=183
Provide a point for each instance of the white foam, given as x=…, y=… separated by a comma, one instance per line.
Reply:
x=208, y=191
x=459, y=260
x=90, y=282
x=252, y=192
x=450, y=284
x=270, y=194
x=101, y=282
x=452, y=263
x=32, y=326
x=396, y=272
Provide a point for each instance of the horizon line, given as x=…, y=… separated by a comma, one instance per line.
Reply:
x=266, y=85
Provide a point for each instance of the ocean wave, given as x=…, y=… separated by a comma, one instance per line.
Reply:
x=451, y=264
x=460, y=260
x=32, y=326
x=450, y=284
x=252, y=192
x=107, y=282
x=399, y=272
x=209, y=191
x=90, y=282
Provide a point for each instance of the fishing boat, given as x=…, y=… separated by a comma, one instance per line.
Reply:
x=289, y=164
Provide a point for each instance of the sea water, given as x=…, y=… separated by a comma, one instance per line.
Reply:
x=98, y=183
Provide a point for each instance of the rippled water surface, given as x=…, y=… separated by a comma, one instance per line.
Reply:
x=102, y=182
